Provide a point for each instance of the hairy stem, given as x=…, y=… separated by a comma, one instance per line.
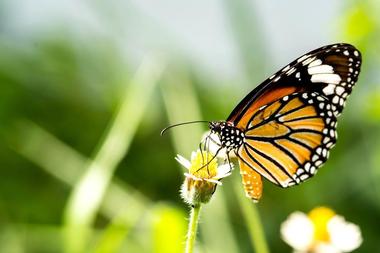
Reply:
x=192, y=230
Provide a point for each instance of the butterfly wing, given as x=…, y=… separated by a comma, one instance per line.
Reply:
x=290, y=119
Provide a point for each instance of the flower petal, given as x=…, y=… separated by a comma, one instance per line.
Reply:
x=297, y=231
x=224, y=170
x=183, y=161
x=213, y=181
x=344, y=235
x=194, y=155
x=188, y=175
x=323, y=247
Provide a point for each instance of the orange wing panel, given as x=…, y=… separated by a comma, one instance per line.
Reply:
x=301, y=153
x=271, y=129
x=266, y=113
x=315, y=124
x=266, y=98
x=302, y=112
x=276, y=154
x=254, y=165
x=265, y=167
x=310, y=139
x=292, y=104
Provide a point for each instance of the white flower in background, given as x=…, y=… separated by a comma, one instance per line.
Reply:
x=202, y=177
x=321, y=231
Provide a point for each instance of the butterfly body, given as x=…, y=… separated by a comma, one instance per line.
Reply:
x=231, y=138
x=283, y=129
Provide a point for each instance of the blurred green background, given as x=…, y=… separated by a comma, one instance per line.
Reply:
x=86, y=87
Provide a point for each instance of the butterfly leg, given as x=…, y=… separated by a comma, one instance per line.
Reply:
x=252, y=182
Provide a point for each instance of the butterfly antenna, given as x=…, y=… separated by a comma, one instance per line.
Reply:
x=183, y=123
x=209, y=161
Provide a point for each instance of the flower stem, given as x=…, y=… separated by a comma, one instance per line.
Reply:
x=192, y=230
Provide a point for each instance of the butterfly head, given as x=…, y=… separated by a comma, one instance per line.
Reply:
x=230, y=137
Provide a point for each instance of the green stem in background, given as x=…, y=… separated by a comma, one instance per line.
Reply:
x=252, y=218
x=192, y=230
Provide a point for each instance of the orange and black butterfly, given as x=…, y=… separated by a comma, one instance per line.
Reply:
x=283, y=129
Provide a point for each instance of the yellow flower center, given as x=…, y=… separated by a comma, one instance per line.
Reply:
x=200, y=169
x=320, y=216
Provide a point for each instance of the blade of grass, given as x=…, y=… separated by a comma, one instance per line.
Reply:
x=252, y=219
x=181, y=104
x=66, y=164
x=123, y=204
x=88, y=193
x=217, y=225
x=47, y=151
x=247, y=35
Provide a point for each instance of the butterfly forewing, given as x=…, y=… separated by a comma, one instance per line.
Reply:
x=331, y=71
x=289, y=121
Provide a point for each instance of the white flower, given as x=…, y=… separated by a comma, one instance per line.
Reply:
x=297, y=231
x=346, y=236
x=321, y=231
x=202, y=177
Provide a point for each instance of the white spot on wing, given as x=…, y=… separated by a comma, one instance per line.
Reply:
x=303, y=58
x=307, y=61
x=286, y=68
x=315, y=63
x=326, y=78
x=262, y=107
x=321, y=69
x=291, y=71
x=329, y=89
x=339, y=90
x=335, y=100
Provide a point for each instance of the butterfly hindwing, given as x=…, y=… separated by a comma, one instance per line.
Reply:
x=287, y=140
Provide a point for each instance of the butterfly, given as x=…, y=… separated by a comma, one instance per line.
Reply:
x=284, y=128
